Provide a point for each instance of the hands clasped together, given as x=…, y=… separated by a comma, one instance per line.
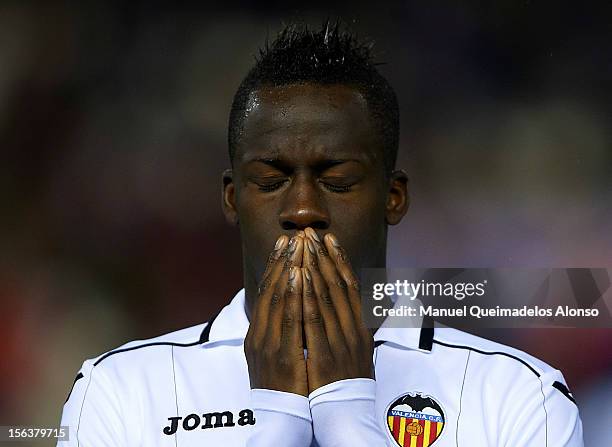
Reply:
x=308, y=298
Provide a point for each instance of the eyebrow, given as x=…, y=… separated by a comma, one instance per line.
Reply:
x=283, y=166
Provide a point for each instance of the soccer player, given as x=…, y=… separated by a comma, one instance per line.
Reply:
x=313, y=138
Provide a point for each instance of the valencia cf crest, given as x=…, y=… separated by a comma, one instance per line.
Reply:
x=415, y=419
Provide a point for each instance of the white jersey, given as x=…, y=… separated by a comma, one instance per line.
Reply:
x=439, y=387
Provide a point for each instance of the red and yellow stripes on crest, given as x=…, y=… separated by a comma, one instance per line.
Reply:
x=399, y=427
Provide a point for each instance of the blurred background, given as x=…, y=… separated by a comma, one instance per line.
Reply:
x=113, y=137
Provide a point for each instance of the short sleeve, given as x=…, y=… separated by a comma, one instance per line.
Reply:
x=92, y=411
x=546, y=417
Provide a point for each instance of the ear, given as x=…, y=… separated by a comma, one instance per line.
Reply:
x=228, y=198
x=397, y=197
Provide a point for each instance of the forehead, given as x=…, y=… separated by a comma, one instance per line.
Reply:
x=299, y=120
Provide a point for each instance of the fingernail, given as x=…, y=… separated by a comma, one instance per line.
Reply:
x=314, y=235
x=292, y=274
x=310, y=247
x=279, y=243
x=334, y=240
x=307, y=275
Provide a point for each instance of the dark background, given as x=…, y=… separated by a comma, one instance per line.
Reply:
x=113, y=136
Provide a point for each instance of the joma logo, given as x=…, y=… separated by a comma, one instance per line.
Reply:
x=209, y=420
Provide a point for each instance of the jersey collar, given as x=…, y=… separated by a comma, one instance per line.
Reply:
x=418, y=338
x=232, y=324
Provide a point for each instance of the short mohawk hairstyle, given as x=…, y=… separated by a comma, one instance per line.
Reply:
x=329, y=55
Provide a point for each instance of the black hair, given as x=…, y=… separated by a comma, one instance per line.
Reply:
x=329, y=55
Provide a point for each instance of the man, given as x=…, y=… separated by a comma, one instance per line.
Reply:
x=313, y=137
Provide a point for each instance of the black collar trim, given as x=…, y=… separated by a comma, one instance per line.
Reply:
x=206, y=332
x=427, y=334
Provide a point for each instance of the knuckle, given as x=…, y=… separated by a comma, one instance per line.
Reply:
x=353, y=283
x=287, y=264
x=308, y=292
x=281, y=258
x=287, y=250
x=326, y=299
x=270, y=261
x=315, y=318
x=275, y=299
x=283, y=255
x=265, y=284
x=292, y=292
x=342, y=257
x=312, y=261
x=288, y=321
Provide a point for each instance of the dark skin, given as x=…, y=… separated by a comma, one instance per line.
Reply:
x=309, y=180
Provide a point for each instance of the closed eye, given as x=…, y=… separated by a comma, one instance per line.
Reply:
x=337, y=187
x=270, y=186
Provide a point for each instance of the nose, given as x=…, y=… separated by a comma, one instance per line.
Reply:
x=303, y=206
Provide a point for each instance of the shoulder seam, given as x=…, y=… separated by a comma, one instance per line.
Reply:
x=545, y=412
x=146, y=345
x=81, y=410
x=448, y=345
x=203, y=339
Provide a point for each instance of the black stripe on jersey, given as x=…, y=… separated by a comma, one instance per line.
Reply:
x=566, y=392
x=78, y=376
x=146, y=345
x=427, y=334
x=206, y=332
x=425, y=338
x=558, y=385
x=448, y=345
x=203, y=338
